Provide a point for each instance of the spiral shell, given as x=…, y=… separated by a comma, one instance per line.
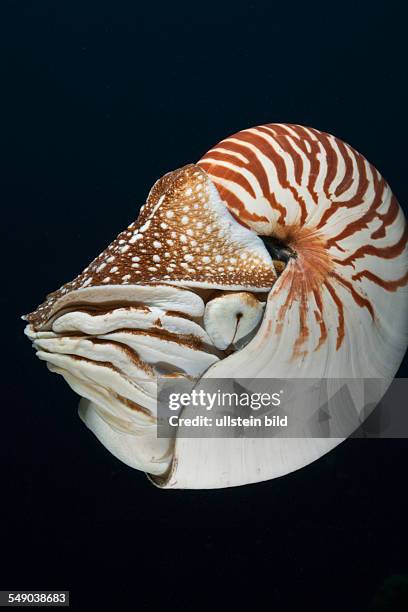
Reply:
x=281, y=254
x=335, y=211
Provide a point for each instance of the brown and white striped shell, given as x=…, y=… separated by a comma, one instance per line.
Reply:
x=281, y=254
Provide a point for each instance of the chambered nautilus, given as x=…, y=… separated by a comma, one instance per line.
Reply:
x=281, y=253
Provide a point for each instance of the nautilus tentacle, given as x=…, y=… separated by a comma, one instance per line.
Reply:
x=281, y=254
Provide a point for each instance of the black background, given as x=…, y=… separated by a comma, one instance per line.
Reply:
x=98, y=100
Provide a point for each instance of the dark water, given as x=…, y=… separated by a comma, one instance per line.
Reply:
x=98, y=100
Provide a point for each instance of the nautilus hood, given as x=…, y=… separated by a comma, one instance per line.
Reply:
x=282, y=253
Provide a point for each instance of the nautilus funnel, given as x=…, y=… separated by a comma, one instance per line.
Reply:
x=280, y=254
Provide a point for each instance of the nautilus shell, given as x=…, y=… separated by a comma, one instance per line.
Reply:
x=281, y=253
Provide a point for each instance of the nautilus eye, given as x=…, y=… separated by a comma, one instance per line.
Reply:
x=282, y=253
